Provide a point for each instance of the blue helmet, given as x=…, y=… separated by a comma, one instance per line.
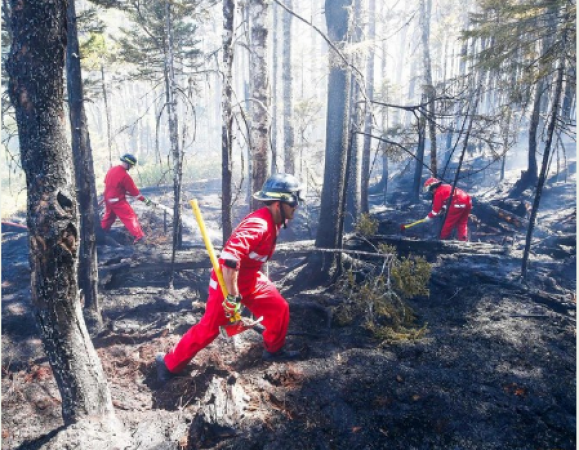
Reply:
x=129, y=159
x=281, y=187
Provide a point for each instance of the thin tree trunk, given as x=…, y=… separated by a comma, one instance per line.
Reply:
x=107, y=114
x=274, y=96
x=288, y=129
x=35, y=68
x=353, y=172
x=415, y=194
x=532, y=170
x=425, y=7
x=226, y=125
x=365, y=178
x=354, y=123
x=260, y=95
x=550, y=132
x=171, y=91
x=85, y=180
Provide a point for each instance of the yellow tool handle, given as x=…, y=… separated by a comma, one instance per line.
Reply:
x=209, y=246
x=414, y=223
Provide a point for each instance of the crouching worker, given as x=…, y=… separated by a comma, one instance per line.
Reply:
x=460, y=207
x=119, y=184
x=251, y=244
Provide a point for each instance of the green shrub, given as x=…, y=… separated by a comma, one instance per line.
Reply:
x=366, y=225
x=376, y=297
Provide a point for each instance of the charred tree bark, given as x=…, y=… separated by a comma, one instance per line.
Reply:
x=171, y=91
x=425, y=7
x=274, y=65
x=330, y=228
x=35, y=68
x=288, y=129
x=85, y=179
x=260, y=94
x=365, y=177
x=415, y=195
x=353, y=172
x=531, y=175
x=226, y=126
x=353, y=191
x=107, y=114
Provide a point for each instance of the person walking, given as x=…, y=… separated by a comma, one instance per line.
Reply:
x=460, y=208
x=119, y=184
x=251, y=244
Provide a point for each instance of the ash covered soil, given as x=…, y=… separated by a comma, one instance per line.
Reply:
x=495, y=369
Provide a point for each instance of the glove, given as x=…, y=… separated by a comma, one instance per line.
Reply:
x=427, y=219
x=232, y=307
x=145, y=199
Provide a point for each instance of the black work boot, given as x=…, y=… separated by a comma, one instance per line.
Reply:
x=281, y=355
x=163, y=374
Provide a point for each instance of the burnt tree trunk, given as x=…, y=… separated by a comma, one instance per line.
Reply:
x=288, y=129
x=35, y=68
x=415, y=194
x=329, y=234
x=353, y=174
x=260, y=95
x=365, y=177
x=107, y=114
x=274, y=97
x=171, y=91
x=425, y=7
x=85, y=180
x=226, y=141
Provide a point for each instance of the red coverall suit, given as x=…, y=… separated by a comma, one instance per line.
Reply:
x=251, y=244
x=118, y=183
x=457, y=216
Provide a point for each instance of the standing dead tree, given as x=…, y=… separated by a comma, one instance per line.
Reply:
x=85, y=179
x=35, y=69
x=227, y=118
x=260, y=93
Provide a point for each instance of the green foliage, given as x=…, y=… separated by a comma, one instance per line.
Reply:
x=144, y=43
x=411, y=276
x=511, y=30
x=366, y=225
x=376, y=297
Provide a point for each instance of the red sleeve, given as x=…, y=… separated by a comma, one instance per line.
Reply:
x=437, y=203
x=244, y=239
x=130, y=186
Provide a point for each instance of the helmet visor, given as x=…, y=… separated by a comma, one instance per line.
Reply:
x=293, y=202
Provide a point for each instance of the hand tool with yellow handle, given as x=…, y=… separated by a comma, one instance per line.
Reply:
x=418, y=222
x=231, y=305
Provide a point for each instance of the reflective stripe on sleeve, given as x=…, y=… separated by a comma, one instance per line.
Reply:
x=258, y=257
x=227, y=255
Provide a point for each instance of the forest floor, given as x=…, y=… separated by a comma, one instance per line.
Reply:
x=495, y=368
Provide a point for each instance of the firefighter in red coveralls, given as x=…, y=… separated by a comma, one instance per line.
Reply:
x=119, y=184
x=460, y=208
x=251, y=244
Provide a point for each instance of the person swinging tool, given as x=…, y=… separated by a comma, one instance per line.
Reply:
x=460, y=208
x=251, y=244
x=118, y=183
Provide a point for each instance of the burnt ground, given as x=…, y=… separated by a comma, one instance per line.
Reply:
x=496, y=368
